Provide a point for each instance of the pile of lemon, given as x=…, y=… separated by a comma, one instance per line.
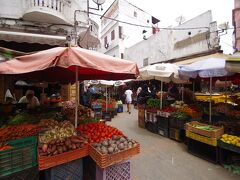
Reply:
x=230, y=139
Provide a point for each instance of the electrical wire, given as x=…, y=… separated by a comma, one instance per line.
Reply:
x=144, y=26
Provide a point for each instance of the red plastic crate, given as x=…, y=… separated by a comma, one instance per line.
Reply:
x=120, y=171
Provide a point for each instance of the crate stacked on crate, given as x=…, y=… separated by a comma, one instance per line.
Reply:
x=203, y=140
x=229, y=152
x=163, y=123
x=97, y=109
x=177, y=122
x=22, y=155
x=68, y=170
x=151, y=120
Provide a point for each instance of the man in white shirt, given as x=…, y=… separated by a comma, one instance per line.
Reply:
x=30, y=99
x=128, y=94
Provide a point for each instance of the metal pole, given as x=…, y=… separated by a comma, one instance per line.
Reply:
x=182, y=92
x=210, y=104
x=76, y=98
x=161, y=95
x=106, y=98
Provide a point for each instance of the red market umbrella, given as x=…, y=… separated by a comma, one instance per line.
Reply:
x=59, y=64
x=68, y=64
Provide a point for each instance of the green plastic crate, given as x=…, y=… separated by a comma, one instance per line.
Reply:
x=22, y=156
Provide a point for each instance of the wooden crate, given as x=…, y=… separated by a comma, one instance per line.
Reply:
x=105, y=160
x=200, y=138
x=212, y=134
x=141, y=118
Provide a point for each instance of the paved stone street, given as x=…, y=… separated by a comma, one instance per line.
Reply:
x=164, y=159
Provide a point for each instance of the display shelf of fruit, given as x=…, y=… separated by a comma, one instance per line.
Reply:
x=230, y=142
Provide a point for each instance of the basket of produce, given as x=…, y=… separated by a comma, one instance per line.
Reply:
x=230, y=142
x=205, y=129
x=200, y=138
x=114, y=150
x=18, y=131
x=60, y=151
x=17, y=155
x=178, y=119
x=98, y=131
x=60, y=144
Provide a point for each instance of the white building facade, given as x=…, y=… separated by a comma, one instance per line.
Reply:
x=116, y=35
x=45, y=24
x=195, y=36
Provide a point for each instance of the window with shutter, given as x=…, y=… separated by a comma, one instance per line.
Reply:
x=113, y=35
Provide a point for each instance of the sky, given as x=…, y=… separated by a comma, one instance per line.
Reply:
x=168, y=10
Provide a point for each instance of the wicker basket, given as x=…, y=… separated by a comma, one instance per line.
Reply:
x=219, y=131
x=105, y=160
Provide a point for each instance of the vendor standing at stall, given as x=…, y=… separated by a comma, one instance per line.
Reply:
x=31, y=100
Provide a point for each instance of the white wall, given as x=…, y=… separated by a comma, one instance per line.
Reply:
x=124, y=11
x=12, y=8
x=162, y=46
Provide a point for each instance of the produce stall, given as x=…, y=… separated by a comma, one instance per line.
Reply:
x=56, y=145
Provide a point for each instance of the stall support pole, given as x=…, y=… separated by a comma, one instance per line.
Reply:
x=76, y=98
x=161, y=95
x=210, y=103
x=182, y=92
x=106, y=98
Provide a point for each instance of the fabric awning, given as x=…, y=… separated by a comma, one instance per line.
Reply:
x=233, y=64
x=192, y=60
x=22, y=37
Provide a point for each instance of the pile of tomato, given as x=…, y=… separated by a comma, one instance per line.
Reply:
x=98, y=131
x=169, y=109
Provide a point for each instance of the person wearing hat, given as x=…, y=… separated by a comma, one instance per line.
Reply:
x=30, y=99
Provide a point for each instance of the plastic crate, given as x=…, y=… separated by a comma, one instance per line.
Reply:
x=105, y=160
x=21, y=157
x=46, y=162
x=229, y=147
x=163, y=122
x=204, y=151
x=176, y=123
x=163, y=132
x=213, y=134
x=69, y=171
x=120, y=171
x=120, y=109
x=107, y=116
x=152, y=127
x=227, y=157
x=27, y=174
x=150, y=117
x=203, y=139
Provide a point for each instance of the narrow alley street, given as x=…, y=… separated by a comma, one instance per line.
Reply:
x=164, y=159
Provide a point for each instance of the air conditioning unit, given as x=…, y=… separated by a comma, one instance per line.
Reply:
x=107, y=45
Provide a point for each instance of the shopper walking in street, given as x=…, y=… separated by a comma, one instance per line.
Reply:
x=128, y=95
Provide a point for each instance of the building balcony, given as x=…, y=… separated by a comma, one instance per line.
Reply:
x=48, y=11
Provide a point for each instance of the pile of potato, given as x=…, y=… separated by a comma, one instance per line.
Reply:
x=114, y=145
x=57, y=146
